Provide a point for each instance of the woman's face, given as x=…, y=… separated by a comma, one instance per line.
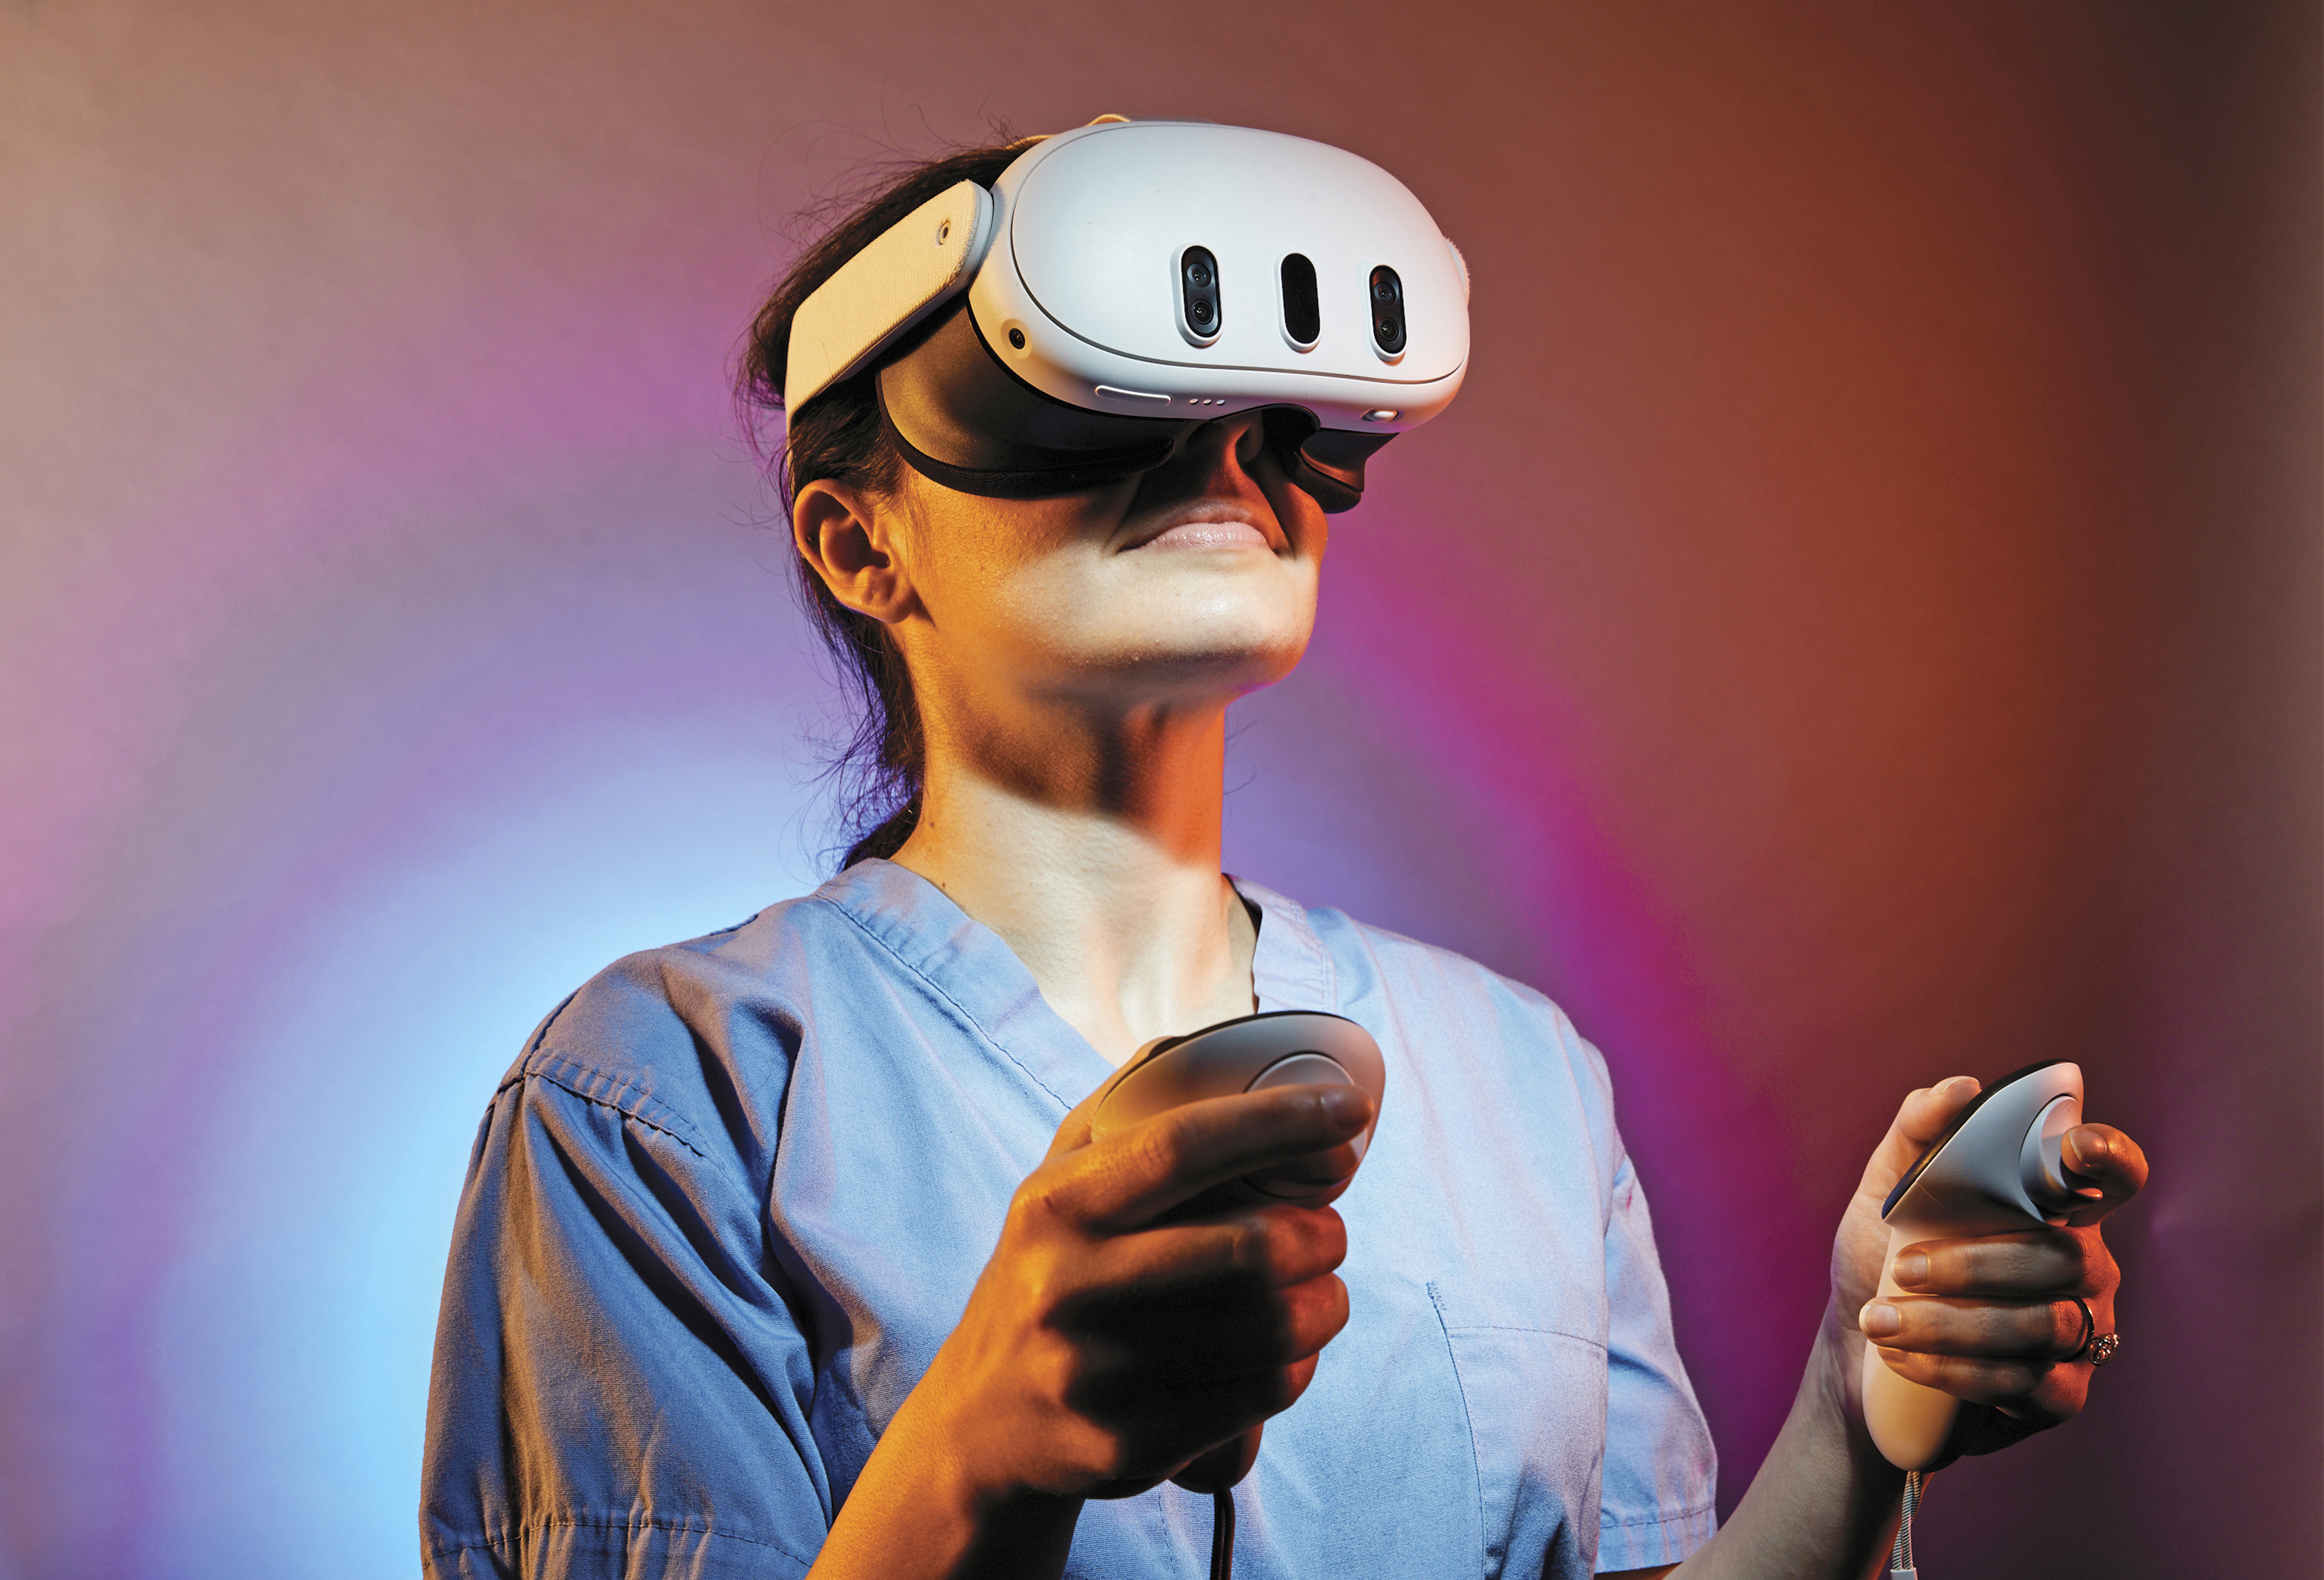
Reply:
x=1183, y=588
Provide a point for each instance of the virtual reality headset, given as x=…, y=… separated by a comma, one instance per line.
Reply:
x=1125, y=282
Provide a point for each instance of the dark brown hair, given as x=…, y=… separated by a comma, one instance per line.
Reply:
x=881, y=769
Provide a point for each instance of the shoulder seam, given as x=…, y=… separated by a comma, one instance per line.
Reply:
x=540, y=1037
x=540, y=1032
x=603, y=1089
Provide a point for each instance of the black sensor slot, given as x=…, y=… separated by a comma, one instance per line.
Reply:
x=1302, y=309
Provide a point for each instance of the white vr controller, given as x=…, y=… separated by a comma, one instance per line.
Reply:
x=1295, y=1047
x=1291, y=1048
x=1998, y=1167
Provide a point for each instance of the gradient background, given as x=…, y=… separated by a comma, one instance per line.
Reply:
x=1859, y=625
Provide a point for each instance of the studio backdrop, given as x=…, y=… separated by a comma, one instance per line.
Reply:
x=1857, y=626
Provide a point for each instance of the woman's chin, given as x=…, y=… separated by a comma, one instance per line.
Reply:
x=1177, y=670
x=1187, y=624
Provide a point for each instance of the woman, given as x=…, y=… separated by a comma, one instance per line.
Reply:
x=791, y=1249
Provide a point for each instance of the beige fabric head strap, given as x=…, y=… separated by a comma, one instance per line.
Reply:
x=922, y=262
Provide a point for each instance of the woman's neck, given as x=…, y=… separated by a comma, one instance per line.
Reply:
x=1094, y=855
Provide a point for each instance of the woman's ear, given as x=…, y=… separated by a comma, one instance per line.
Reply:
x=848, y=537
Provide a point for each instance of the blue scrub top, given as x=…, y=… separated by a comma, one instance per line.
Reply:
x=724, y=1208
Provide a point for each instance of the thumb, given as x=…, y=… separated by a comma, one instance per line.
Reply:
x=2110, y=1161
x=1073, y=1132
x=1920, y=1121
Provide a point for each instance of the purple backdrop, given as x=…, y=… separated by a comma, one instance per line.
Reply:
x=1859, y=625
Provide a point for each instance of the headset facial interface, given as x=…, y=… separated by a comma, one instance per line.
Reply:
x=1127, y=281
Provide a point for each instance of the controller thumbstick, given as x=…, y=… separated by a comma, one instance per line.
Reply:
x=2041, y=1163
x=1284, y=1048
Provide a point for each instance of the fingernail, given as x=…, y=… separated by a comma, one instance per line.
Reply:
x=1912, y=1269
x=1345, y=1104
x=1879, y=1319
x=1946, y=1087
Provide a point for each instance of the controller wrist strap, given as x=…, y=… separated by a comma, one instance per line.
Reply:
x=1900, y=1555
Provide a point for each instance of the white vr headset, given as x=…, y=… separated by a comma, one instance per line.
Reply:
x=1125, y=282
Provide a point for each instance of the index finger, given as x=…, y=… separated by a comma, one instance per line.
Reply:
x=1130, y=1178
x=2110, y=1159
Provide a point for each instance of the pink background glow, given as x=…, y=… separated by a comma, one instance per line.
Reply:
x=1857, y=626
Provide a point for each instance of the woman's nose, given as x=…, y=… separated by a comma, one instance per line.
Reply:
x=1219, y=457
x=1242, y=435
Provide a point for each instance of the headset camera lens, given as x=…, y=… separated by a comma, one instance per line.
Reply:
x=1387, y=310
x=1198, y=293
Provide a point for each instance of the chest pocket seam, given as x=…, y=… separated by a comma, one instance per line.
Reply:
x=1467, y=1409
x=1495, y=1533
x=1452, y=1326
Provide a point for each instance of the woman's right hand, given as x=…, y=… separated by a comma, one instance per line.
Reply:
x=1113, y=1336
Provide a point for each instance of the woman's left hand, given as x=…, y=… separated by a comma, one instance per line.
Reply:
x=1992, y=1320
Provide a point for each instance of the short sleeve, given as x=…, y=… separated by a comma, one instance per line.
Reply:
x=620, y=1386
x=1657, y=1502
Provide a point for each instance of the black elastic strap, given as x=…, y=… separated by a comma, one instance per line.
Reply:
x=1088, y=470
x=1222, y=1534
x=952, y=403
x=962, y=418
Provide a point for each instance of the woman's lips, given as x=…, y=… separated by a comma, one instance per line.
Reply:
x=1208, y=535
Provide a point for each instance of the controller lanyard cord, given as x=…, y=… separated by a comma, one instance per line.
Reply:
x=1222, y=1534
x=1900, y=1556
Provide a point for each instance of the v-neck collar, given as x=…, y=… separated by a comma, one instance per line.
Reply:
x=1291, y=969
x=971, y=968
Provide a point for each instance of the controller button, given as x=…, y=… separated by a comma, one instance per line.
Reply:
x=1302, y=1069
x=1308, y=1176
